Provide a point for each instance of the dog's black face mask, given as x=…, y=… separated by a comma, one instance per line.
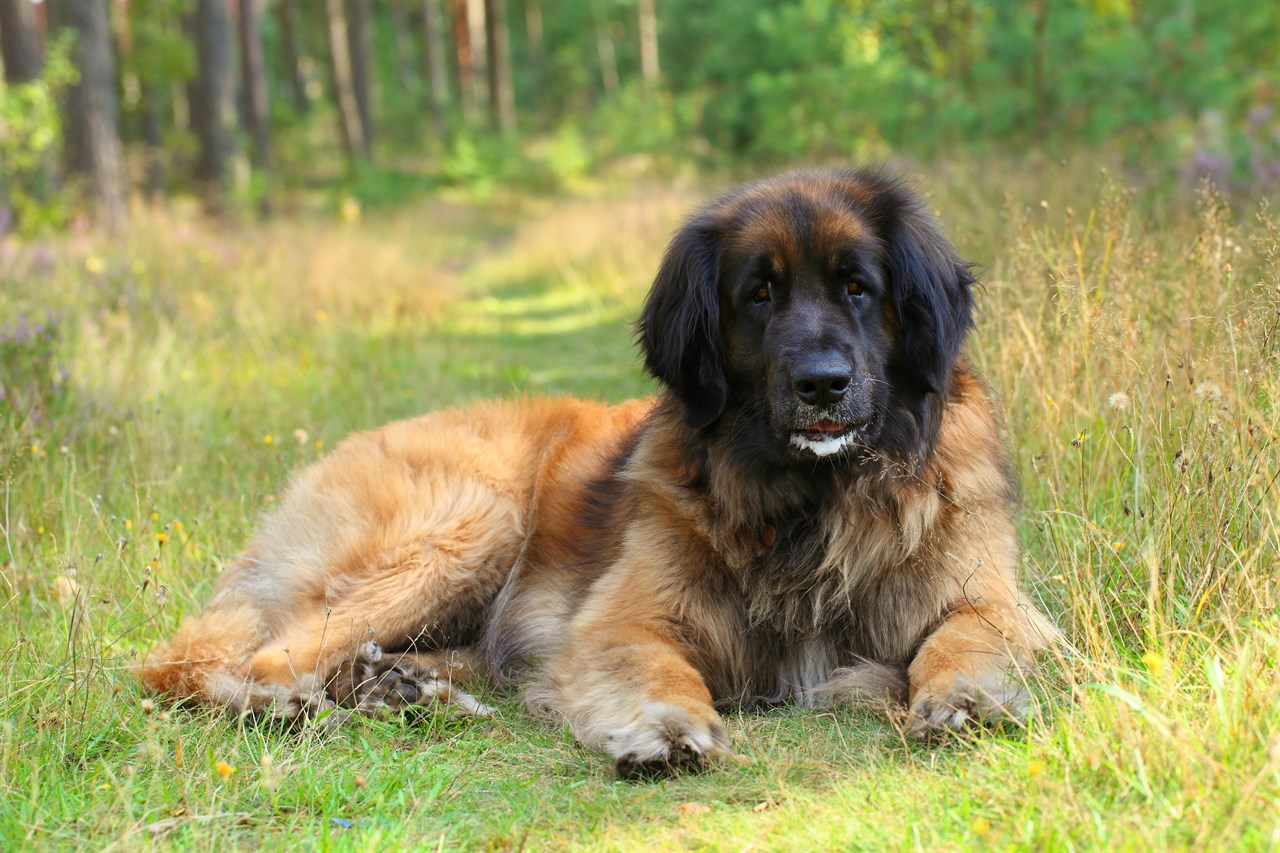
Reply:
x=802, y=291
x=814, y=316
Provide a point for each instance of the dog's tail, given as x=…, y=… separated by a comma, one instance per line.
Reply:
x=203, y=655
x=866, y=683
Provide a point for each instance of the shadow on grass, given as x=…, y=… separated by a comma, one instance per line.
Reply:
x=505, y=782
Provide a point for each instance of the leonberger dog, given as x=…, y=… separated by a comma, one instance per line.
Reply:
x=817, y=507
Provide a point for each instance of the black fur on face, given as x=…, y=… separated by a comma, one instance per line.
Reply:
x=813, y=316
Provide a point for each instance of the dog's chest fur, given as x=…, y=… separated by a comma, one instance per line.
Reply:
x=810, y=588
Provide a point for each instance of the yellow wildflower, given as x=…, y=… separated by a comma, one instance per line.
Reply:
x=1154, y=662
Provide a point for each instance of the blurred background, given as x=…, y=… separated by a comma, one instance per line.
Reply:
x=253, y=107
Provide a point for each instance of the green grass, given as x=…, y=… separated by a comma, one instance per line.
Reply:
x=184, y=370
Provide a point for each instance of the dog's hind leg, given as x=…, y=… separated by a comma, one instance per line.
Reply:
x=401, y=539
x=407, y=592
x=288, y=618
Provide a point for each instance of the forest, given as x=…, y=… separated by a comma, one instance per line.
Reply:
x=247, y=104
x=233, y=232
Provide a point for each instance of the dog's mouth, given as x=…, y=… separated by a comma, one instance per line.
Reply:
x=827, y=436
x=823, y=437
x=824, y=430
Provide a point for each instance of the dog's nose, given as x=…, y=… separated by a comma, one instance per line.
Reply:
x=821, y=382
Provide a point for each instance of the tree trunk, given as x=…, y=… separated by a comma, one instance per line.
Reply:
x=254, y=80
x=403, y=44
x=604, y=48
x=20, y=53
x=288, y=20
x=537, y=48
x=436, y=76
x=462, y=42
x=502, y=98
x=210, y=95
x=648, y=16
x=343, y=88
x=19, y=41
x=477, y=30
x=153, y=141
x=358, y=39
x=92, y=134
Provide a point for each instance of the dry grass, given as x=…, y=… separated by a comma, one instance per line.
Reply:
x=1140, y=374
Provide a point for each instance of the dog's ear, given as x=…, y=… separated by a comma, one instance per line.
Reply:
x=679, y=328
x=930, y=285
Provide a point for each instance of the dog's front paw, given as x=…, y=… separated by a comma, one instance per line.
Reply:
x=665, y=737
x=955, y=699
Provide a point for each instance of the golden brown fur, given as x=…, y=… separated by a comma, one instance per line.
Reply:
x=632, y=566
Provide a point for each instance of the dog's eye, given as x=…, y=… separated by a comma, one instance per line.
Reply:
x=763, y=294
x=855, y=287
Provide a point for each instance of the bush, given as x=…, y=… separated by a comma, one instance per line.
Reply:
x=30, y=127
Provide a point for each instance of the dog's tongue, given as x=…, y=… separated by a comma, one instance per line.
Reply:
x=825, y=425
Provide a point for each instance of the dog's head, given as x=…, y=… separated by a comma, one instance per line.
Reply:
x=812, y=314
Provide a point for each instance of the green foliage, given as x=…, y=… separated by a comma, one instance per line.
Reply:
x=1190, y=88
x=479, y=163
x=30, y=138
x=639, y=120
x=750, y=84
x=159, y=52
x=483, y=163
x=812, y=78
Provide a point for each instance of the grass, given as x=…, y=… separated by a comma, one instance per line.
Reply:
x=159, y=388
